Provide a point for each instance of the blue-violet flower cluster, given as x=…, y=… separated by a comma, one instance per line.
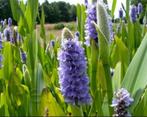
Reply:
x=120, y=13
x=8, y=31
x=90, y=30
x=121, y=102
x=133, y=13
x=9, y=22
x=72, y=73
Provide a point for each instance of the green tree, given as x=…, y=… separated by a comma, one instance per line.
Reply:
x=5, y=9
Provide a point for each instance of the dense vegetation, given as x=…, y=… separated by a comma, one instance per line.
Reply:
x=58, y=11
x=54, y=12
x=100, y=70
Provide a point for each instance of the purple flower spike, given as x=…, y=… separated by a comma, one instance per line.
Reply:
x=133, y=13
x=90, y=30
x=52, y=43
x=1, y=60
x=86, y=3
x=23, y=56
x=140, y=8
x=120, y=13
x=2, y=22
x=72, y=73
x=9, y=21
x=121, y=102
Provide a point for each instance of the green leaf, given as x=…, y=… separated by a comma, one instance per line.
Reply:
x=104, y=57
x=37, y=86
x=49, y=105
x=103, y=46
x=113, y=7
x=76, y=111
x=81, y=17
x=42, y=30
x=120, y=53
x=8, y=61
x=93, y=65
x=116, y=80
x=142, y=106
x=19, y=96
x=135, y=78
x=96, y=108
x=15, y=9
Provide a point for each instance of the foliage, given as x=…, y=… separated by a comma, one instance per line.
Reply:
x=58, y=12
x=54, y=12
x=59, y=26
x=32, y=88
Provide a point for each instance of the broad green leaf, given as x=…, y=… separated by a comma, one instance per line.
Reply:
x=76, y=111
x=96, y=108
x=49, y=105
x=104, y=57
x=8, y=61
x=19, y=96
x=142, y=106
x=15, y=9
x=3, y=105
x=135, y=77
x=36, y=89
x=102, y=20
x=120, y=53
x=103, y=46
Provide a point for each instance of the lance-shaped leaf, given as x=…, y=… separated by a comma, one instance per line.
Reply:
x=135, y=77
x=49, y=105
x=104, y=57
x=103, y=45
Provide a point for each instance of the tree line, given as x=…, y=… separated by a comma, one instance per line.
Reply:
x=54, y=12
x=58, y=12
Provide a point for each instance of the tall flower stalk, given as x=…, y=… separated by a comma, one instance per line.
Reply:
x=73, y=78
x=90, y=31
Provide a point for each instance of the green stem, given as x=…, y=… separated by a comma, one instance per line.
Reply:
x=94, y=61
x=109, y=86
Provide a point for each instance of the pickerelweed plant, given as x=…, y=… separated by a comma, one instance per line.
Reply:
x=73, y=78
x=42, y=74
